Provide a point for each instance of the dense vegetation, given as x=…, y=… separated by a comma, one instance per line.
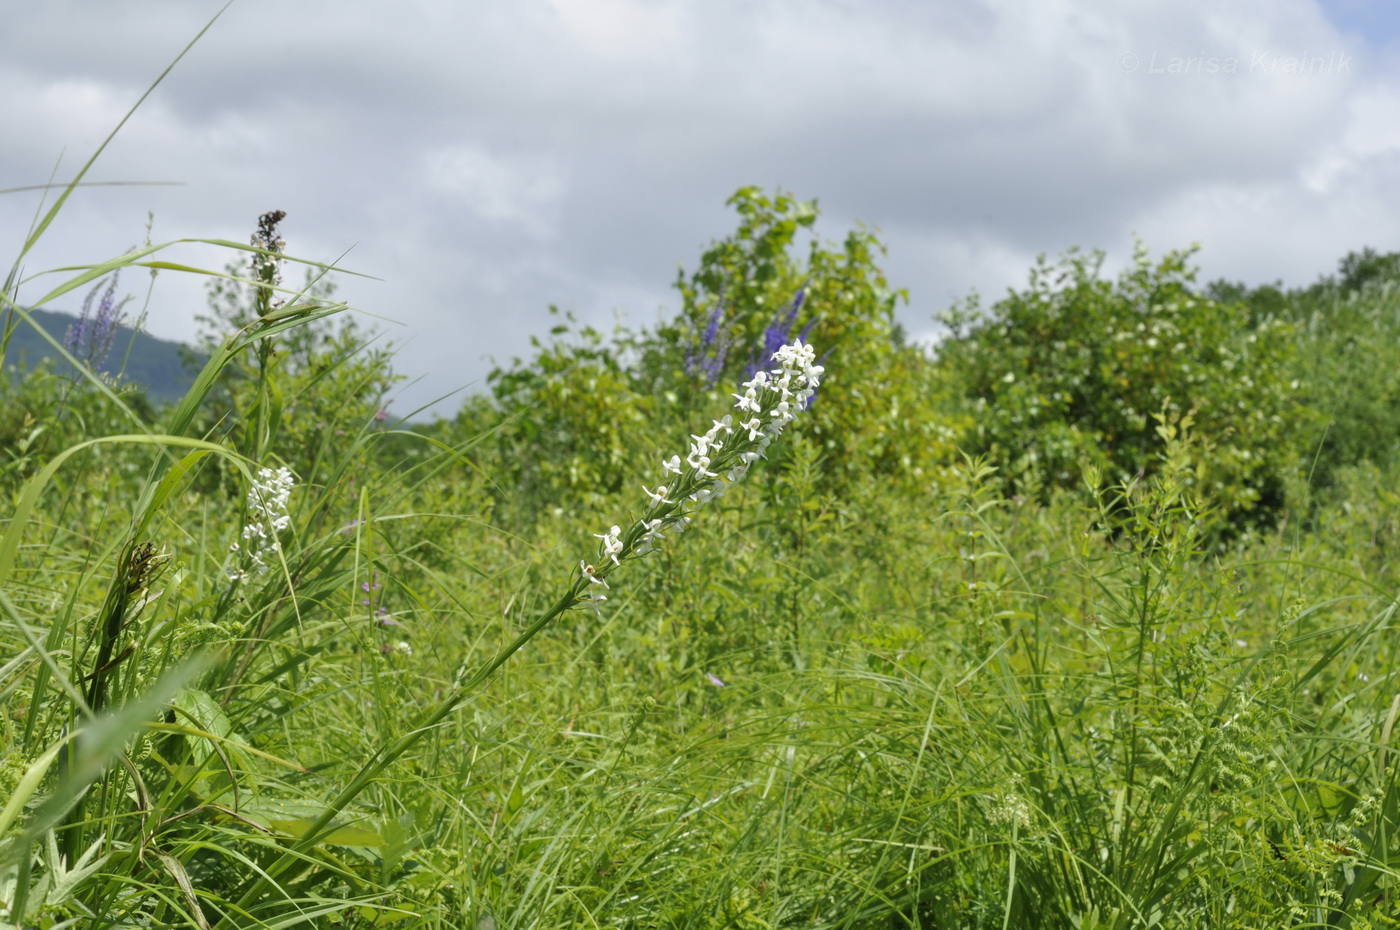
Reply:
x=1080, y=621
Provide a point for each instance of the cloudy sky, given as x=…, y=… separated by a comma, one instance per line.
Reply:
x=484, y=160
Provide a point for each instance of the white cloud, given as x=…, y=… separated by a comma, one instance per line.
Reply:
x=621, y=30
x=1371, y=136
x=522, y=191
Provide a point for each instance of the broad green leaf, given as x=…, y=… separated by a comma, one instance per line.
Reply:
x=294, y=818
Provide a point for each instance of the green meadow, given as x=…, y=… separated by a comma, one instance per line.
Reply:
x=1081, y=618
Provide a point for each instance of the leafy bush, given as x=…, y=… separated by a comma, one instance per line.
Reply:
x=43, y=413
x=886, y=414
x=1069, y=374
x=568, y=414
x=1347, y=328
x=562, y=422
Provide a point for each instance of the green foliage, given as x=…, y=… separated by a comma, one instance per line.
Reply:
x=1071, y=371
x=573, y=411
x=1357, y=270
x=312, y=389
x=867, y=688
x=43, y=413
x=1350, y=346
x=566, y=419
x=884, y=410
x=1348, y=334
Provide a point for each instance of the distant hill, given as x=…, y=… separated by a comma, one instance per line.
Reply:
x=155, y=364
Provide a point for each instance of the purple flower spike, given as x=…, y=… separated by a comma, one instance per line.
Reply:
x=779, y=332
x=715, y=680
x=708, y=358
x=90, y=339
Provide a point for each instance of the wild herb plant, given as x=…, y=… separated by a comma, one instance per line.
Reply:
x=90, y=338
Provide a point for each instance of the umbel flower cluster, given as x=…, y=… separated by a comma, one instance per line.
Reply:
x=716, y=460
x=267, y=516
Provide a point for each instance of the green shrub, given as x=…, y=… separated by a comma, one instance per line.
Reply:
x=1351, y=349
x=887, y=413
x=43, y=412
x=1070, y=372
x=562, y=422
x=1347, y=328
x=568, y=415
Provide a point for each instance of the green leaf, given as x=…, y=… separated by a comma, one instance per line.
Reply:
x=294, y=818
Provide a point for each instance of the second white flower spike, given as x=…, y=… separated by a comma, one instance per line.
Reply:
x=722, y=456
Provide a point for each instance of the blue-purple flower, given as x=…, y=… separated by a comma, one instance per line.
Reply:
x=90, y=339
x=708, y=358
x=779, y=332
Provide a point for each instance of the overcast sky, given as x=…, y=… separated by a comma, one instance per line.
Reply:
x=484, y=160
